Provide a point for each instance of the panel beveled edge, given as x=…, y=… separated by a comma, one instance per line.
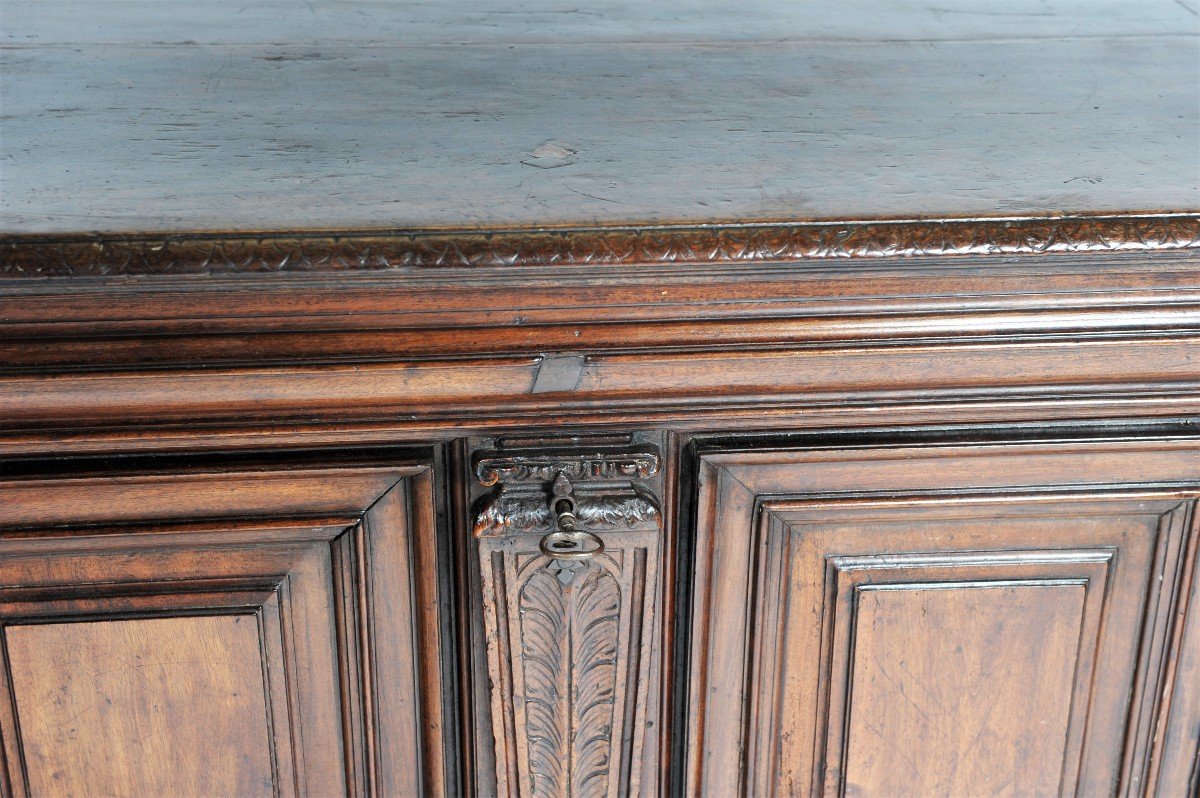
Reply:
x=1174, y=764
x=338, y=251
x=315, y=491
x=404, y=608
x=723, y=502
x=939, y=465
x=784, y=523
x=1085, y=568
x=38, y=591
x=383, y=512
x=730, y=481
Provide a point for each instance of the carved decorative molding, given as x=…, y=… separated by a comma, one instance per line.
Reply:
x=503, y=512
x=568, y=661
x=609, y=476
x=225, y=253
x=493, y=467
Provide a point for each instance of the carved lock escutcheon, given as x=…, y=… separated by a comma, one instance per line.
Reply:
x=569, y=543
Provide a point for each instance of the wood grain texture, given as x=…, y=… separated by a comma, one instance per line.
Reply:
x=603, y=21
x=167, y=591
x=937, y=677
x=250, y=235
x=873, y=569
x=795, y=111
x=115, y=707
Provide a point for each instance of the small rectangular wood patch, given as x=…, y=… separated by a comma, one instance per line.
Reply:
x=559, y=373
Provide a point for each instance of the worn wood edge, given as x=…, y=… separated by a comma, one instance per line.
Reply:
x=109, y=324
x=1112, y=412
x=123, y=426
x=99, y=255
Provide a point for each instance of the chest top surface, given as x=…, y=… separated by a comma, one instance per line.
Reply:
x=134, y=116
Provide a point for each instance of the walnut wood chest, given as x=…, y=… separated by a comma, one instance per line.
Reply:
x=624, y=399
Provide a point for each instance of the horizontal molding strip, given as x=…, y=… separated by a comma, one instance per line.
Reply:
x=342, y=251
x=662, y=387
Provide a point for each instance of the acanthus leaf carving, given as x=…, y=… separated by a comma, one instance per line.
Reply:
x=570, y=677
x=504, y=512
x=569, y=654
x=614, y=512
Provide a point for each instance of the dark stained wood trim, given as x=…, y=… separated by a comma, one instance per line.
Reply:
x=341, y=251
x=158, y=322
x=169, y=362
x=644, y=388
x=1157, y=409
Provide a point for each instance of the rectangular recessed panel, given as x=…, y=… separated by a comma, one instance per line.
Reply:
x=962, y=689
x=164, y=706
x=939, y=620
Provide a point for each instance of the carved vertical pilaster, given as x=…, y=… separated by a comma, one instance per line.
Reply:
x=568, y=641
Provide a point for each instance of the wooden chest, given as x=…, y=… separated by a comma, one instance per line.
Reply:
x=636, y=399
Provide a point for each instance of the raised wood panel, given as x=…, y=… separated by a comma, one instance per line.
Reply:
x=107, y=707
x=867, y=622
x=190, y=648
x=858, y=550
x=938, y=674
x=1174, y=769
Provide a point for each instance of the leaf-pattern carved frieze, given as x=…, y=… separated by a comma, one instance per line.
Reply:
x=331, y=251
x=569, y=634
